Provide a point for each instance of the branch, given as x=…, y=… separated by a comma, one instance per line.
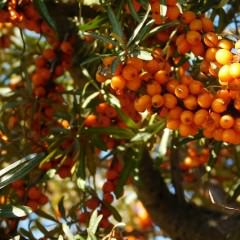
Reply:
x=181, y=221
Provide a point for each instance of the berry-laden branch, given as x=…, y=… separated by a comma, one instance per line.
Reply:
x=182, y=221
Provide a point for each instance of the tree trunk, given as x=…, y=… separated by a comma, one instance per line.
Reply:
x=180, y=220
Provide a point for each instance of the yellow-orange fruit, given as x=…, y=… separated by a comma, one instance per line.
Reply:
x=224, y=56
x=234, y=70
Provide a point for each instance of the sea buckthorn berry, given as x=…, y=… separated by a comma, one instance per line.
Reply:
x=200, y=117
x=198, y=49
x=204, y=100
x=172, y=12
x=171, y=2
x=188, y=16
x=107, y=61
x=185, y=130
x=90, y=120
x=235, y=70
x=181, y=91
x=219, y=105
x=49, y=54
x=171, y=85
x=34, y=193
x=92, y=203
x=173, y=124
x=153, y=88
x=193, y=37
x=210, y=54
x=170, y=101
x=187, y=117
x=157, y=101
x=210, y=39
x=108, y=186
x=142, y=103
x=195, y=87
x=226, y=121
x=134, y=85
x=184, y=46
x=225, y=44
x=195, y=25
x=229, y=135
x=175, y=113
x=204, y=66
x=161, y=76
x=207, y=24
x=66, y=47
x=129, y=72
x=237, y=124
x=190, y=102
x=151, y=66
x=137, y=63
x=118, y=82
x=224, y=56
x=224, y=75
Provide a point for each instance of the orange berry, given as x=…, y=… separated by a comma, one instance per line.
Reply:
x=90, y=120
x=161, y=76
x=173, y=124
x=151, y=66
x=226, y=121
x=181, y=91
x=129, y=72
x=66, y=47
x=195, y=87
x=153, y=88
x=210, y=54
x=184, y=46
x=172, y=12
x=137, y=63
x=195, y=25
x=118, y=83
x=190, y=102
x=107, y=61
x=142, y=103
x=235, y=70
x=219, y=105
x=187, y=117
x=224, y=75
x=188, y=17
x=175, y=112
x=171, y=85
x=193, y=37
x=157, y=101
x=198, y=49
x=200, y=117
x=49, y=54
x=225, y=44
x=229, y=135
x=185, y=130
x=34, y=193
x=207, y=24
x=134, y=85
x=170, y=101
x=210, y=39
x=223, y=56
x=171, y=2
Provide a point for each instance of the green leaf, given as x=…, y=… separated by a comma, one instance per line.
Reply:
x=11, y=211
x=89, y=99
x=26, y=233
x=19, y=169
x=126, y=119
x=80, y=170
x=116, y=27
x=129, y=165
x=93, y=224
x=114, y=212
x=43, y=10
x=133, y=11
x=103, y=38
x=138, y=29
x=43, y=214
x=144, y=55
x=93, y=24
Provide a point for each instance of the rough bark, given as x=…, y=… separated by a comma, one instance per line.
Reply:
x=181, y=220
